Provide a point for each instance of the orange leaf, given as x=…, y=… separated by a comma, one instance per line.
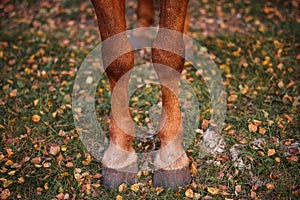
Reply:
x=270, y=186
x=36, y=118
x=189, y=193
x=271, y=152
x=252, y=128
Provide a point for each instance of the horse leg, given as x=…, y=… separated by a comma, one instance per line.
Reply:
x=171, y=160
x=145, y=13
x=119, y=160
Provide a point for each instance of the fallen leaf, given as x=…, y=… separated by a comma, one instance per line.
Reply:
x=212, y=190
x=271, y=152
x=135, y=187
x=36, y=160
x=5, y=194
x=122, y=187
x=54, y=149
x=36, y=118
x=238, y=188
x=232, y=98
x=252, y=128
x=119, y=197
x=35, y=102
x=189, y=193
x=193, y=169
x=270, y=186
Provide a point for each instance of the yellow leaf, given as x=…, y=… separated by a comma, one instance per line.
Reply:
x=46, y=164
x=35, y=102
x=189, y=193
x=11, y=173
x=36, y=118
x=54, y=114
x=135, y=187
x=7, y=183
x=261, y=153
x=63, y=147
x=212, y=190
x=46, y=186
x=119, y=197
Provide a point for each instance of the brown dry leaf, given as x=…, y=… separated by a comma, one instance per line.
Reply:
x=193, y=169
x=238, y=188
x=36, y=160
x=280, y=84
x=5, y=194
x=60, y=158
x=60, y=196
x=205, y=124
x=122, y=187
x=288, y=117
x=271, y=152
x=159, y=190
x=189, y=193
x=13, y=93
x=253, y=194
x=54, y=149
x=294, y=158
x=21, y=180
x=212, y=190
x=69, y=164
x=35, y=118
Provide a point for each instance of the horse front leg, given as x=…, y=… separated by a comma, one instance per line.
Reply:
x=171, y=160
x=119, y=163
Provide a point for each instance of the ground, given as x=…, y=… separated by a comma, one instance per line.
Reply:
x=255, y=45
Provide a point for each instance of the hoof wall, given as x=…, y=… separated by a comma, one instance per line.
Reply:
x=112, y=178
x=172, y=178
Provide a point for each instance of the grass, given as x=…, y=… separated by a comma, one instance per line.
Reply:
x=257, y=54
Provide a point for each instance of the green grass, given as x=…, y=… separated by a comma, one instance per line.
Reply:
x=38, y=62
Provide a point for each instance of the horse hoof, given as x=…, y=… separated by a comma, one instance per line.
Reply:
x=172, y=178
x=112, y=178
